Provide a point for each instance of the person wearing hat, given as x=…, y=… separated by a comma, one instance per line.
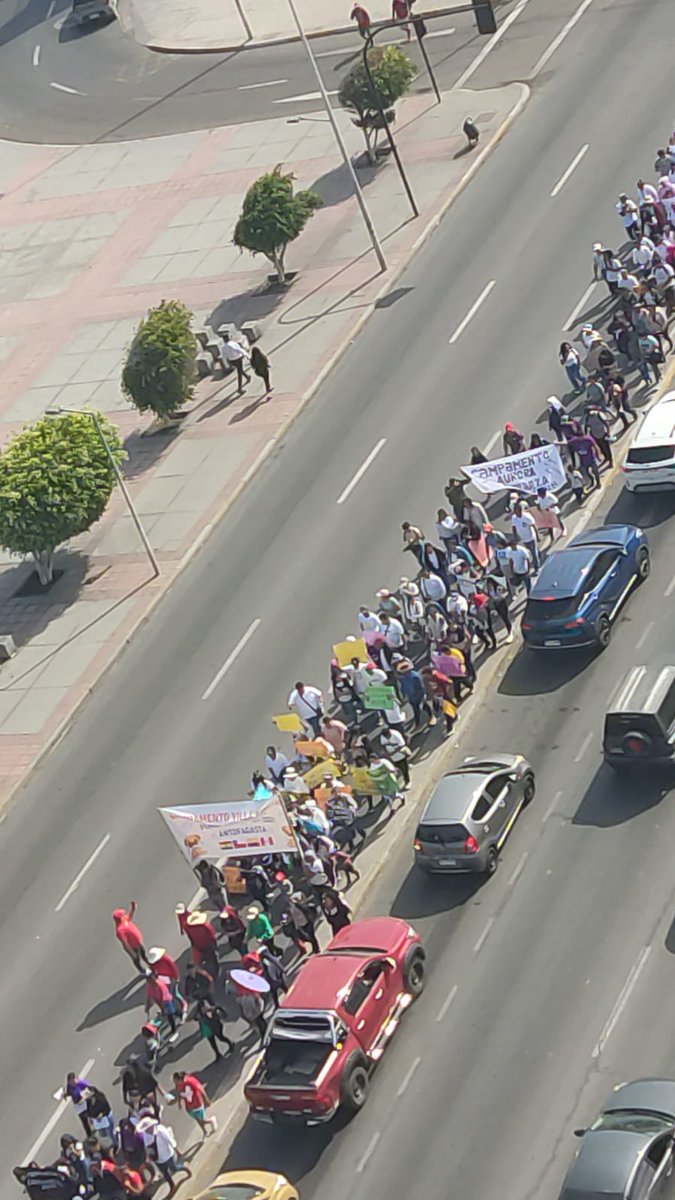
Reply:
x=297, y=922
x=162, y=1149
x=412, y=606
x=202, y=937
x=129, y=935
x=513, y=441
x=259, y=926
x=158, y=994
x=164, y=965
x=388, y=603
x=294, y=783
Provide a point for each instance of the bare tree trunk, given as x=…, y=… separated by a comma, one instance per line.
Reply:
x=370, y=146
x=44, y=561
x=278, y=259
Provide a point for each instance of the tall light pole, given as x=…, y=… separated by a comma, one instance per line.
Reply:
x=367, y=219
x=88, y=412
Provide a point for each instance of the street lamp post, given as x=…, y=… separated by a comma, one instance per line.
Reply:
x=340, y=141
x=87, y=412
x=367, y=45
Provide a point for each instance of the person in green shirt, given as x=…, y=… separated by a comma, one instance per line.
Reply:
x=259, y=926
x=385, y=780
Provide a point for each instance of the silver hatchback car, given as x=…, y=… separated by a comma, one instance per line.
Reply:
x=471, y=813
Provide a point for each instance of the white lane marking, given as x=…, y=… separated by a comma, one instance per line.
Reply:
x=472, y=311
x=493, y=441
x=447, y=1002
x=56, y=1116
x=36, y=56
x=494, y=41
x=572, y=167
x=671, y=587
x=231, y=658
x=483, y=937
x=581, y=305
x=371, y=1146
x=551, y=806
x=584, y=745
x=61, y=87
x=304, y=96
x=259, y=459
x=518, y=871
x=81, y=874
x=408, y=1077
x=560, y=38
x=361, y=471
x=250, y=87
x=644, y=635
x=621, y=1001
x=439, y=33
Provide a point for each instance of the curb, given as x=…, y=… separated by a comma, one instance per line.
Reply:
x=282, y=39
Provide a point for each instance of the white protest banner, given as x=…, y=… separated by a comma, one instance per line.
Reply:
x=520, y=472
x=241, y=828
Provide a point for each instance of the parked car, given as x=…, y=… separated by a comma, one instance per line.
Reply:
x=640, y=722
x=581, y=588
x=627, y=1153
x=86, y=11
x=650, y=462
x=249, y=1185
x=335, y=1022
x=470, y=814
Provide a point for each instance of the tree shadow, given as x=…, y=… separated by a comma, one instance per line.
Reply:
x=423, y=895
x=335, y=186
x=537, y=673
x=392, y=297
x=612, y=799
x=244, y=307
x=145, y=451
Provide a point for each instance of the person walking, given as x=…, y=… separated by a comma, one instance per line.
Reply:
x=162, y=1148
x=401, y=12
x=525, y=528
x=556, y=413
x=585, y=448
x=234, y=355
x=650, y=357
x=297, y=922
x=570, y=359
x=307, y=702
x=597, y=426
x=210, y=1017
x=384, y=781
x=158, y=995
x=76, y=1089
x=258, y=926
x=129, y=935
x=548, y=518
x=630, y=217
x=100, y=1118
x=260, y=365
x=191, y=1094
x=273, y=971
x=140, y=1085
x=412, y=689
x=336, y=911
x=202, y=937
x=498, y=603
x=513, y=441
x=198, y=984
x=520, y=566
x=211, y=878
x=252, y=1008
x=166, y=967
x=362, y=18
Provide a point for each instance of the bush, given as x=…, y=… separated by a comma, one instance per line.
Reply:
x=392, y=73
x=160, y=371
x=272, y=216
x=55, y=482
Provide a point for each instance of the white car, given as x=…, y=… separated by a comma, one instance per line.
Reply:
x=650, y=462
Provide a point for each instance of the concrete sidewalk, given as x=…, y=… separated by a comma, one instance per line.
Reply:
x=73, y=286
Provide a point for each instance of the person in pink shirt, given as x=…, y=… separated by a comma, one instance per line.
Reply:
x=158, y=995
x=334, y=732
x=129, y=935
x=167, y=968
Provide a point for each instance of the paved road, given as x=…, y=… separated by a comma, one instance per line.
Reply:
x=517, y=1040
x=115, y=89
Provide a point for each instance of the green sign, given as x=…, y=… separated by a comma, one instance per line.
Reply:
x=379, y=696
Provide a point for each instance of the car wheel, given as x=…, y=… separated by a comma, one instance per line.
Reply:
x=355, y=1086
x=644, y=565
x=414, y=971
x=491, y=861
x=528, y=789
x=603, y=632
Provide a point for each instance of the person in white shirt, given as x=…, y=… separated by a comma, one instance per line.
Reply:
x=665, y=278
x=435, y=626
x=525, y=528
x=369, y=622
x=549, y=507
x=363, y=675
x=308, y=704
x=276, y=763
x=393, y=631
x=520, y=566
x=628, y=211
x=588, y=336
x=626, y=282
x=447, y=528
x=432, y=587
x=160, y=1142
x=398, y=751
x=648, y=198
x=234, y=355
x=643, y=254
x=466, y=585
x=457, y=607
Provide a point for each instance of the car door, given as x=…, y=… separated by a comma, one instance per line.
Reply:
x=660, y=1157
x=367, y=1002
x=604, y=583
x=501, y=797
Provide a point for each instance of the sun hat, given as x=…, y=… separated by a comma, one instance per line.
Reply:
x=146, y=1124
x=253, y=911
x=197, y=918
x=155, y=953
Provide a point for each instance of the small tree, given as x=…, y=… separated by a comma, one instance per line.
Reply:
x=55, y=482
x=392, y=73
x=272, y=216
x=160, y=370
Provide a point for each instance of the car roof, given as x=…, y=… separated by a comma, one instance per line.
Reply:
x=605, y=536
x=642, y=691
x=374, y=935
x=564, y=572
x=454, y=795
x=658, y=425
x=324, y=975
x=646, y=1095
x=605, y=1163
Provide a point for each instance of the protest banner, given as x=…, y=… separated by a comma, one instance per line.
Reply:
x=520, y=472
x=346, y=651
x=313, y=749
x=288, y=723
x=379, y=696
x=316, y=773
x=241, y=828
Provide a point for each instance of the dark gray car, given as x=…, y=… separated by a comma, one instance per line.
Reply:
x=86, y=11
x=627, y=1153
x=470, y=814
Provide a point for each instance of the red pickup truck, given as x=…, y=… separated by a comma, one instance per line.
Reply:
x=335, y=1021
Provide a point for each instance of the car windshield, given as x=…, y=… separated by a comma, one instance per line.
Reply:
x=628, y=1120
x=234, y=1191
x=550, y=610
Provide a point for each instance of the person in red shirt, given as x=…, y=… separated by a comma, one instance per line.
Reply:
x=401, y=12
x=191, y=1094
x=164, y=965
x=129, y=935
x=201, y=936
x=362, y=18
x=158, y=993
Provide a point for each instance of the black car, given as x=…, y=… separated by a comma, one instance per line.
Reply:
x=640, y=723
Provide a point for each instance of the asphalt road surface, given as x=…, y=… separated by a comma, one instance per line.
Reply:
x=63, y=84
x=562, y=963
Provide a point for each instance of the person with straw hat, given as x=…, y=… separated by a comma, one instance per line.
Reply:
x=202, y=937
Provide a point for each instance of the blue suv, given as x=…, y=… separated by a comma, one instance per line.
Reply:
x=581, y=588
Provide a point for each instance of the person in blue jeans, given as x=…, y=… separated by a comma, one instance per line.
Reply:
x=412, y=689
x=570, y=360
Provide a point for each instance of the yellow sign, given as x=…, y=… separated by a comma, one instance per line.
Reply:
x=288, y=723
x=346, y=651
x=318, y=749
x=315, y=774
x=449, y=708
x=361, y=781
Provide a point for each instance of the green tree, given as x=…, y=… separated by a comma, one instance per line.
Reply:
x=392, y=73
x=272, y=216
x=55, y=482
x=160, y=370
